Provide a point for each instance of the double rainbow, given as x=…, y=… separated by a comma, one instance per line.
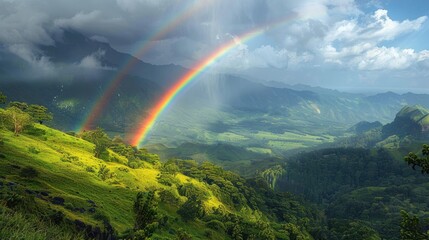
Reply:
x=172, y=23
x=167, y=98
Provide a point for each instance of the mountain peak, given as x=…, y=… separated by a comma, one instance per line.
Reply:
x=415, y=113
x=410, y=120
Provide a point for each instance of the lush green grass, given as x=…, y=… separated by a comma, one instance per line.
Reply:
x=16, y=226
x=71, y=180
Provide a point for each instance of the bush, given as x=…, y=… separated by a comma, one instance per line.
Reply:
x=183, y=235
x=12, y=199
x=104, y=172
x=28, y=172
x=167, y=196
x=31, y=130
x=123, y=169
x=69, y=158
x=90, y=169
x=168, y=179
x=101, y=217
x=134, y=164
x=216, y=225
x=33, y=150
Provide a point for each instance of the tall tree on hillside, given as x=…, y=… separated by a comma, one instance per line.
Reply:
x=271, y=175
x=422, y=162
x=20, y=105
x=39, y=113
x=2, y=98
x=191, y=209
x=411, y=226
x=100, y=139
x=146, y=212
x=17, y=119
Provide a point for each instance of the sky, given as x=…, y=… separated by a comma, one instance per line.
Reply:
x=341, y=44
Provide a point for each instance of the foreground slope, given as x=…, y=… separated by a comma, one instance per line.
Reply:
x=51, y=177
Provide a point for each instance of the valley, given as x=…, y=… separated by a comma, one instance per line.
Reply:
x=243, y=120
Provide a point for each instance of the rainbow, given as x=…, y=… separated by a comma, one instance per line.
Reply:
x=168, y=26
x=167, y=98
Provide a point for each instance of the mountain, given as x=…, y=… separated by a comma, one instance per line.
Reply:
x=71, y=47
x=364, y=126
x=71, y=100
x=214, y=108
x=411, y=120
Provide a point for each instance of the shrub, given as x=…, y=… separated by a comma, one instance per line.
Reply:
x=28, y=172
x=216, y=225
x=12, y=199
x=168, y=179
x=183, y=235
x=123, y=169
x=104, y=172
x=134, y=165
x=167, y=196
x=90, y=169
x=67, y=157
x=33, y=149
x=101, y=217
x=31, y=130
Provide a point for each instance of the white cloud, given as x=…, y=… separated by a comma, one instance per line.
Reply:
x=93, y=61
x=381, y=28
x=27, y=53
x=360, y=46
x=79, y=20
x=380, y=58
x=241, y=58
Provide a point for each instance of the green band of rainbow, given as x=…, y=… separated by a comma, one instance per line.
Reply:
x=172, y=23
x=148, y=122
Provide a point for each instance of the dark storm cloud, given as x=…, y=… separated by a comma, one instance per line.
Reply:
x=326, y=34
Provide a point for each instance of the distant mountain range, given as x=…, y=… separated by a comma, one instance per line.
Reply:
x=212, y=109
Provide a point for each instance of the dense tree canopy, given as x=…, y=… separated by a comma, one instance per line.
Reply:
x=39, y=113
x=411, y=226
x=146, y=212
x=101, y=141
x=422, y=162
x=2, y=98
x=16, y=119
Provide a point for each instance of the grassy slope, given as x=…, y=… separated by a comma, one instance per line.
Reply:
x=70, y=180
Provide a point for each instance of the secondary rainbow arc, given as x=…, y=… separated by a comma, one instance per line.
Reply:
x=171, y=24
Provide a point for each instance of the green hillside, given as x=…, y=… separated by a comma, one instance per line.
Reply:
x=52, y=182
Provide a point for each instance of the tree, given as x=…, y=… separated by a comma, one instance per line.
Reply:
x=422, y=162
x=146, y=212
x=103, y=172
x=101, y=141
x=271, y=175
x=21, y=105
x=39, y=113
x=411, y=227
x=2, y=98
x=191, y=209
x=16, y=119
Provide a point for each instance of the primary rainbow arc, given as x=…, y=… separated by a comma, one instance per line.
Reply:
x=167, y=98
